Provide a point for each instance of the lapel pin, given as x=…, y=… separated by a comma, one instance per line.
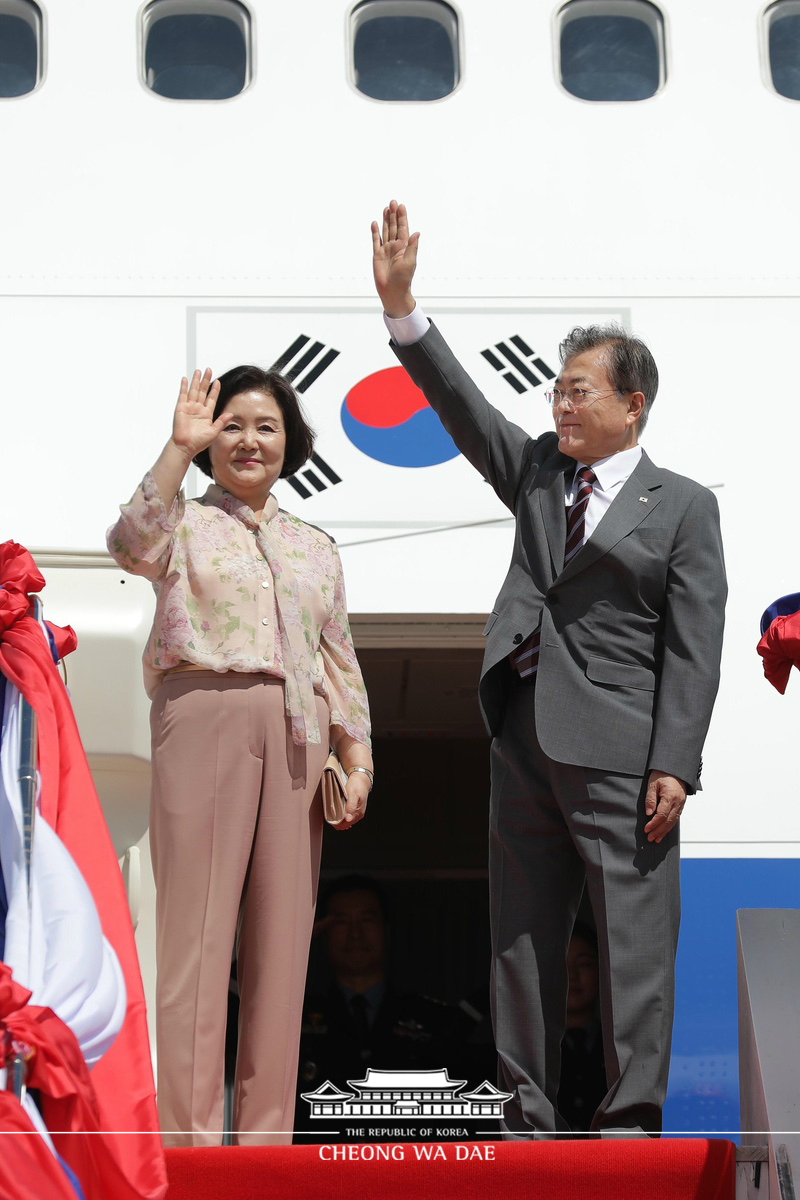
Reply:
x=643, y=499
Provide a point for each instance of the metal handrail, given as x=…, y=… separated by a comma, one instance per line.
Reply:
x=783, y=1169
x=769, y=1056
x=26, y=774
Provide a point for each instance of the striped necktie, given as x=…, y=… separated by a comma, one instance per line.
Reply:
x=576, y=515
x=526, y=659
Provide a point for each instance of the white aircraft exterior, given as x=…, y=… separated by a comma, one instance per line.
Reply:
x=145, y=236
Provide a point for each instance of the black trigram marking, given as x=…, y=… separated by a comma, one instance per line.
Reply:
x=313, y=478
x=302, y=363
x=517, y=369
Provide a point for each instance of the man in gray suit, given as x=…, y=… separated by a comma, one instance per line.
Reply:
x=598, y=681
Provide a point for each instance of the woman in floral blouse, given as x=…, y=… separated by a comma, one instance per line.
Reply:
x=251, y=670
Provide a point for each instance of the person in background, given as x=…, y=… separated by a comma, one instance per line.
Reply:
x=583, y=1072
x=251, y=670
x=364, y=1019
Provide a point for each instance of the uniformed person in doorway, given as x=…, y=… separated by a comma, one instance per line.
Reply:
x=363, y=1020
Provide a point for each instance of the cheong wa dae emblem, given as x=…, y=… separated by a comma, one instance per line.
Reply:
x=410, y=1094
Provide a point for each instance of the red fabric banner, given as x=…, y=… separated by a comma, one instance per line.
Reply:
x=624, y=1169
x=122, y=1081
x=780, y=649
x=27, y=1167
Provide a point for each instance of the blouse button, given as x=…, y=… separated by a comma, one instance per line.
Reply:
x=265, y=621
x=265, y=583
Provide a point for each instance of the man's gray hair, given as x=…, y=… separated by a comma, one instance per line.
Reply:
x=631, y=366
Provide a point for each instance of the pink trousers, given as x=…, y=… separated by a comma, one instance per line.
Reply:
x=235, y=833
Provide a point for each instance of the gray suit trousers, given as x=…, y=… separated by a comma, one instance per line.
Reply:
x=555, y=828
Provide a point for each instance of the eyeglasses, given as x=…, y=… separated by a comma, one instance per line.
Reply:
x=575, y=397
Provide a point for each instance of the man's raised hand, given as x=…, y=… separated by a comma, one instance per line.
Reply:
x=394, y=260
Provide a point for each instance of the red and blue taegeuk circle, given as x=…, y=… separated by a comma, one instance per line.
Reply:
x=387, y=417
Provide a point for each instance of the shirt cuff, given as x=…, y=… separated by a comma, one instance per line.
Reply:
x=404, y=331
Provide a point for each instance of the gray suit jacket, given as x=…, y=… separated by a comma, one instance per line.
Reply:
x=631, y=628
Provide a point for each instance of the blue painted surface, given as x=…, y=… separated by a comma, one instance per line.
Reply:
x=419, y=441
x=703, y=1094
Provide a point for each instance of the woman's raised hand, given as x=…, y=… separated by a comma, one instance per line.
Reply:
x=394, y=260
x=193, y=426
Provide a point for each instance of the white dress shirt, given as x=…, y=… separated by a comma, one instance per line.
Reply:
x=612, y=472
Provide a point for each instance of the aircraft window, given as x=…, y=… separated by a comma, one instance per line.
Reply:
x=404, y=49
x=196, y=49
x=20, y=47
x=611, y=49
x=783, y=29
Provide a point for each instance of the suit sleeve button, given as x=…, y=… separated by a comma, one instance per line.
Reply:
x=517, y=638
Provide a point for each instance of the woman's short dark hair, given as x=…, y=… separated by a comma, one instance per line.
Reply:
x=299, y=434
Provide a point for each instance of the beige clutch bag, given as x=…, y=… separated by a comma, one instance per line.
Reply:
x=333, y=784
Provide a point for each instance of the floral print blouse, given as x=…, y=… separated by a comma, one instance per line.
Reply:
x=233, y=594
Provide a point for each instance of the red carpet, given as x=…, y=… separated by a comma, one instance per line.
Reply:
x=669, y=1169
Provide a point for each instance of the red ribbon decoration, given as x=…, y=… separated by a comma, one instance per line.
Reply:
x=127, y=1162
